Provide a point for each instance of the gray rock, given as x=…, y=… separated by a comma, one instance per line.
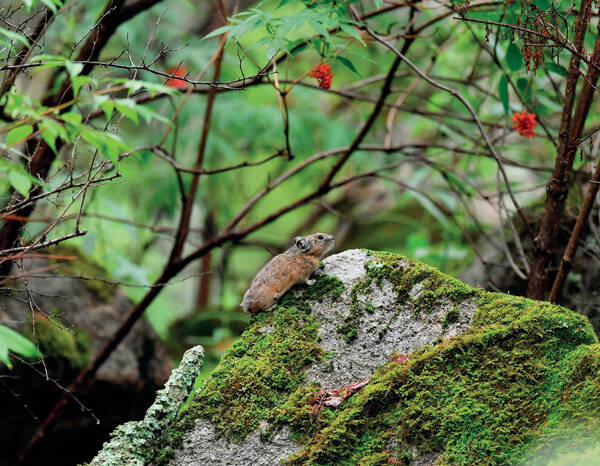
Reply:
x=88, y=312
x=139, y=359
x=203, y=446
x=405, y=331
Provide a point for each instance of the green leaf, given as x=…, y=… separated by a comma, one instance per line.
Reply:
x=514, y=59
x=351, y=31
x=347, y=63
x=52, y=4
x=18, y=134
x=17, y=343
x=217, y=32
x=503, y=91
x=73, y=118
x=49, y=61
x=54, y=127
x=73, y=68
x=14, y=36
x=107, y=108
x=20, y=181
x=525, y=87
x=152, y=88
x=558, y=69
x=78, y=81
x=378, y=4
x=50, y=138
x=128, y=108
x=59, y=59
x=108, y=144
x=543, y=4
x=318, y=26
x=148, y=114
x=50, y=130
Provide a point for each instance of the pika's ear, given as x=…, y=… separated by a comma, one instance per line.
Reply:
x=301, y=243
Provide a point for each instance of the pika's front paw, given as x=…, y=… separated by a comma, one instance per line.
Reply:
x=310, y=281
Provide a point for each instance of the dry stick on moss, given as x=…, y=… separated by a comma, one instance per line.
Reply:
x=557, y=188
x=456, y=94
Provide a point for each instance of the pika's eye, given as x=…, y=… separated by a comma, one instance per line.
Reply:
x=320, y=236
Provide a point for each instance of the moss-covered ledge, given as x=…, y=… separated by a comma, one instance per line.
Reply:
x=456, y=375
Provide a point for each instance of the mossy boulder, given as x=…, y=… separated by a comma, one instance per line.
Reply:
x=386, y=360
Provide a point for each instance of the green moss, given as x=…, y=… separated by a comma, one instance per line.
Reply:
x=57, y=341
x=571, y=434
x=481, y=397
x=325, y=285
x=451, y=317
x=261, y=369
x=297, y=411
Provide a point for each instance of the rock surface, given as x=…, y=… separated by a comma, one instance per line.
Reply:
x=385, y=360
x=370, y=349
x=73, y=320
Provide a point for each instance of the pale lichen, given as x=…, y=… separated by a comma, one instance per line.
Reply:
x=142, y=442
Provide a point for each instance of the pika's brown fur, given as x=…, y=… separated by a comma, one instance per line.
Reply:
x=286, y=270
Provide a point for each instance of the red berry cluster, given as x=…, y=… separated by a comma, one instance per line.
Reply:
x=524, y=123
x=323, y=74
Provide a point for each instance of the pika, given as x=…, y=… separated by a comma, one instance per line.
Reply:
x=285, y=270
